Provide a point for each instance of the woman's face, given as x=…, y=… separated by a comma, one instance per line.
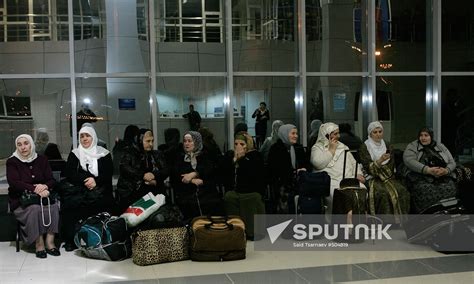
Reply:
x=24, y=147
x=334, y=135
x=377, y=134
x=148, y=141
x=425, y=138
x=240, y=145
x=188, y=143
x=86, y=140
x=293, y=136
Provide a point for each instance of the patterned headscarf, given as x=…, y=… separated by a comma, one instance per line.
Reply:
x=32, y=156
x=88, y=156
x=190, y=157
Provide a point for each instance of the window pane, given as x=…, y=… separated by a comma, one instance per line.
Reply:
x=457, y=117
x=458, y=35
x=105, y=43
x=335, y=35
x=401, y=35
x=264, y=35
x=206, y=94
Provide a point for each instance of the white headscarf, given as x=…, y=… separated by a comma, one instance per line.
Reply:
x=32, y=156
x=88, y=156
x=376, y=149
x=323, y=141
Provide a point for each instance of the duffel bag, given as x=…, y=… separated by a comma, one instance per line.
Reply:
x=217, y=238
x=160, y=245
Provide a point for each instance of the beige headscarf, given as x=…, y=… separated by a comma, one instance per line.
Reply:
x=376, y=149
x=88, y=156
x=32, y=156
x=323, y=142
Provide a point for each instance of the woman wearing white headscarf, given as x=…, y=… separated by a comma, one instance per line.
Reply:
x=327, y=154
x=386, y=194
x=285, y=159
x=90, y=168
x=29, y=172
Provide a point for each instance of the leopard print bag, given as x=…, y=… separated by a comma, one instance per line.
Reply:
x=160, y=245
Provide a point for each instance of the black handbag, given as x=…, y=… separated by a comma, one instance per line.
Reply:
x=313, y=184
x=28, y=198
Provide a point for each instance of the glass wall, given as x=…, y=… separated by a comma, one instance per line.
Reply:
x=113, y=67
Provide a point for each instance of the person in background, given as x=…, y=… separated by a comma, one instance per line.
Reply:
x=172, y=147
x=131, y=132
x=142, y=170
x=348, y=138
x=285, y=159
x=28, y=171
x=210, y=145
x=194, y=118
x=261, y=115
x=265, y=149
x=430, y=177
x=386, y=194
x=240, y=127
x=193, y=180
x=313, y=132
x=89, y=168
x=50, y=150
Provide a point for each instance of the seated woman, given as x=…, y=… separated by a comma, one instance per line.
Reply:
x=431, y=171
x=386, y=194
x=26, y=171
x=89, y=168
x=243, y=175
x=142, y=170
x=285, y=159
x=193, y=181
x=327, y=154
x=265, y=149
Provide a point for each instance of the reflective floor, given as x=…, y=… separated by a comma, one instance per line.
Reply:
x=425, y=266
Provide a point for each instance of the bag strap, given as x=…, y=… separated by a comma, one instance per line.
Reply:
x=344, y=167
x=42, y=211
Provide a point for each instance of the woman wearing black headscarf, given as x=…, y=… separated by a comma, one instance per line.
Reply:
x=142, y=170
x=193, y=180
x=431, y=170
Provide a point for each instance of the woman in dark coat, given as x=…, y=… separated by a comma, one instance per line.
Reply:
x=26, y=171
x=193, y=181
x=142, y=170
x=89, y=168
x=243, y=175
x=285, y=159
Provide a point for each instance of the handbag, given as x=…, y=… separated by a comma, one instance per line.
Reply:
x=28, y=198
x=160, y=245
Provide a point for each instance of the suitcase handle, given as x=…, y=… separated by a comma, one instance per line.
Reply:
x=219, y=220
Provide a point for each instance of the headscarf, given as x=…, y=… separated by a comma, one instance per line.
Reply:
x=431, y=133
x=283, y=134
x=42, y=140
x=32, y=156
x=190, y=157
x=244, y=136
x=88, y=156
x=323, y=141
x=275, y=127
x=376, y=149
x=315, y=125
x=172, y=137
x=130, y=133
x=138, y=140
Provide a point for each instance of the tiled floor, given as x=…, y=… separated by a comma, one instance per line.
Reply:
x=423, y=266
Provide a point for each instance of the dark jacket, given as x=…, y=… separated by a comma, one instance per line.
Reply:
x=245, y=175
x=133, y=166
x=22, y=176
x=279, y=163
x=103, y=191
x=205, y=171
